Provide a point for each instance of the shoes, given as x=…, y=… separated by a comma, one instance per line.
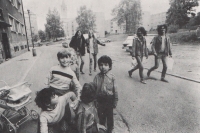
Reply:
x=143, y=82
x=164, y=80
x=148, y=73
x=95, y=70
x=82, y=72
x=130, y=74
x=90, y=74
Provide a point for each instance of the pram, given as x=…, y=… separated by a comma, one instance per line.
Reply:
x=13, y=101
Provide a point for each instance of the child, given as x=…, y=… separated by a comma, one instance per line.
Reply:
x=74, y=62
x=54, y=112
x=62, y=75
x=87, y=118
x=106, y=91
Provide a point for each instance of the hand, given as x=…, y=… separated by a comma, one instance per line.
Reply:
x=74, y=104
x=133, y=58
x=101, y=126
x=155, y=54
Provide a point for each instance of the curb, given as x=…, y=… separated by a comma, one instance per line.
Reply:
x=178, y=76
x=28, y=70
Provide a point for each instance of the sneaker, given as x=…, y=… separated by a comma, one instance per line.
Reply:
x=95, y=70
x=90, y=74
x=142, y=81
x=130, y=74
x=164, y=80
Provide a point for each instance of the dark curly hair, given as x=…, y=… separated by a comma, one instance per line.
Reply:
x=88, y=93
x=159, y=29
x=43, y=98
x=144, y=32
x=105, y=59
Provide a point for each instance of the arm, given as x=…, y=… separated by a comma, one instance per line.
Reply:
x=70, y=95
x=78, y=86
x=146, y=51
x=98, y=42
x=153, y=46
x=81, y=123
x=43, y=125
x=169, y=43
x=133, y=48
x=115, y=93
x=71, y=42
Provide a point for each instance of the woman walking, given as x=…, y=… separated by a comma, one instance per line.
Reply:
x=139, y=47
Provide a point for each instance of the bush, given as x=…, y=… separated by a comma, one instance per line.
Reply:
x=183, y=37
x=173, y=29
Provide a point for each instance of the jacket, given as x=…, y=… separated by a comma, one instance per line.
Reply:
x=139, y=47
x=157, y=43
x=75, y=45
x=95, y=45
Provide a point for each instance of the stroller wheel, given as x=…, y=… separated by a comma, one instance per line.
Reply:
x=34, y=115
x=11, y=128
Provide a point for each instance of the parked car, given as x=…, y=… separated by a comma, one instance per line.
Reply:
x=149, y=39
x=128, y=41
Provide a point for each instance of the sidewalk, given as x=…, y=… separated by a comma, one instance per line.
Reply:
x=20, y=66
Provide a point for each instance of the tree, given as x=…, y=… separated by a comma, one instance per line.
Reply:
x=42, y=35
x=86, y=20
x=35, y=37
x=130, y=13
x=178, y=13
x=53, y=27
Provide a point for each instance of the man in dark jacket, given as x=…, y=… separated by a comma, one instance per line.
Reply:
x=161, y=48
x=78, y=44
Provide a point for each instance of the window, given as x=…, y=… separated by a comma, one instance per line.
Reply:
x=19, y=6
x=16, y=26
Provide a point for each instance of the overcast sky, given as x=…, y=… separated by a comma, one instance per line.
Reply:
x=41, y=7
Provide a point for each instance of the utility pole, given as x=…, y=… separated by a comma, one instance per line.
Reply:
x=33, y=50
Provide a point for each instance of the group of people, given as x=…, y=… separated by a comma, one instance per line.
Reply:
x=68, y=107
x=161, y=49
x=79, y=43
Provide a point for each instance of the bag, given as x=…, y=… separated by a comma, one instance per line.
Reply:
x=170, y=63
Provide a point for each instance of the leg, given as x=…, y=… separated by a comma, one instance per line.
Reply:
x=139, y=61
x=82, y=63
x=157, y=60
x=164, y=68
x=95, y=61
x=132, y=70
x=90, y=64
x=78, y=59
x=110, y=121
x=102, y=116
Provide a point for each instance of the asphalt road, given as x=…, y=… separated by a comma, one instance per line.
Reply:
x=155, y=107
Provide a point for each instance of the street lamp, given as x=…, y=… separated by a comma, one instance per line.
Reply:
x=33, y=50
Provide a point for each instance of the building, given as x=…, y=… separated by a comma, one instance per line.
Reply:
x=70, y=27
x=34, y=26
x=117, y=29
x=157, y=19
x=100, y=24
x=12, y=29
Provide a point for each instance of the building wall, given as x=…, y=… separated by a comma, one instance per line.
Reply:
x=13, y=15
x=100, y=24
x=116, y=29
x=158, y=19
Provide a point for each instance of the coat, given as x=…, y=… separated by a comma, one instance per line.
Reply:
x=157, y=43
x=139, y=48
x=75, y=45
x=95, y=45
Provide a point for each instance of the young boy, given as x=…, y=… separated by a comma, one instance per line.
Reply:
x=62, y=75
x=54, y=116
x=107, y=96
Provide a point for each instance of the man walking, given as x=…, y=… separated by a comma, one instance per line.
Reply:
x=161, y=49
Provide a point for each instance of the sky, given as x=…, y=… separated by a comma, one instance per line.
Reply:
x=41, y=7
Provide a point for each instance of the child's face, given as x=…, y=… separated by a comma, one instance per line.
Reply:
x=54, y=99
x=104, y=67
x=65, y=61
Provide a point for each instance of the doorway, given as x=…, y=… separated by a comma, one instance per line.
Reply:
x=6, y=47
